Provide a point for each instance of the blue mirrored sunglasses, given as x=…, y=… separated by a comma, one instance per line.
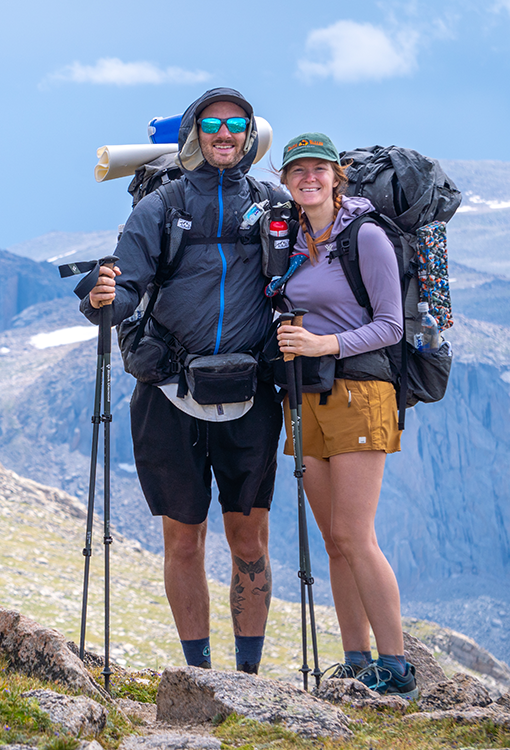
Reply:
x=213, y=124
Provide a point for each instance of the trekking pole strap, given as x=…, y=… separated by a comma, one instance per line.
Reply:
x=91, y=268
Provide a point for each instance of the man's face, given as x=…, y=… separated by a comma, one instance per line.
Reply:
x=222, y=149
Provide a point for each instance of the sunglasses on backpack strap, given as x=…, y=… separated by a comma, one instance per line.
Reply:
x=213, y=124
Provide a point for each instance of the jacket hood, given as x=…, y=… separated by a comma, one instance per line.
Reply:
x=352, y=207
x=190, y=154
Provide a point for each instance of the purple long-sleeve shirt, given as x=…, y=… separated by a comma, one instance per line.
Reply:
x=322, y=289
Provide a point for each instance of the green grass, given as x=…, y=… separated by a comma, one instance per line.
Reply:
x=373, y=730
x=23, y=722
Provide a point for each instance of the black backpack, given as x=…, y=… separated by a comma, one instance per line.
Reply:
x=413, y=199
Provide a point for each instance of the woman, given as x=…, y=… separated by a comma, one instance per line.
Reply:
x=345, y=440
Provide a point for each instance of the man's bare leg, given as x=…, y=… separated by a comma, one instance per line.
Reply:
x=185, y=579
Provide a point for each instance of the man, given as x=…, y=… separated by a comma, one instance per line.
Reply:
x=213, y=303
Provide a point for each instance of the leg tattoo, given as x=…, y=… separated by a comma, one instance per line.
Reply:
x=250, y=569
x=236, y=601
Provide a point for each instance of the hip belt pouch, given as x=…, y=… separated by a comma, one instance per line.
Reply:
x=318, y=373
x=151, y=362
x=221, y=378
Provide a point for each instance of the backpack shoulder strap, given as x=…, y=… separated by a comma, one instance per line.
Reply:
x=173, y=242
x=172, y=194
x=347, y=253
x=261, y=191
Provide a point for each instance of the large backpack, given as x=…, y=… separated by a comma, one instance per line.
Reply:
x=413, y=199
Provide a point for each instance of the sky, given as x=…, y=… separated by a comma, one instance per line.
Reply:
x=433, y=76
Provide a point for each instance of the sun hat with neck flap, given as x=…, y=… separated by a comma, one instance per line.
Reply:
x=310, y=145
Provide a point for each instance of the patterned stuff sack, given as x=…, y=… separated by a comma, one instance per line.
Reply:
x=433, y=283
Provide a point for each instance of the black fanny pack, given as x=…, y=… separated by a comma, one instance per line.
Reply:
x=220, y=378
x=318, y=373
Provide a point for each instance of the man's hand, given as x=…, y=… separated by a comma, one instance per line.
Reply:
x=104, y=291
x=297, y=340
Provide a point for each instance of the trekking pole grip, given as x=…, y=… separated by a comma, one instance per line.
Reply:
x=298, y=317
x=109, y=261
x=287, y=318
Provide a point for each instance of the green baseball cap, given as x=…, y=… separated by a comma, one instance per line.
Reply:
x=314, y=145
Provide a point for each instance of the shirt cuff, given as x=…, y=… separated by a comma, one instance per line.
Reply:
x=340, y=347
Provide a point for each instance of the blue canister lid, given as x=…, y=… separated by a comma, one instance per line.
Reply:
x=164, y=129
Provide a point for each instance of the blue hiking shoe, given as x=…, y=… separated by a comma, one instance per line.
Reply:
x=345, y=670
x=389, y=682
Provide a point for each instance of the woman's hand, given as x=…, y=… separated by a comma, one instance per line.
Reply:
x=104, y=291
x=299, y=341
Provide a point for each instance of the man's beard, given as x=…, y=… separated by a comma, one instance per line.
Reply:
x=210, y=156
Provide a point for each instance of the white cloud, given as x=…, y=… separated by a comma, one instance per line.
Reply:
x=112, y=71
x=348, y=52
x=501, y=5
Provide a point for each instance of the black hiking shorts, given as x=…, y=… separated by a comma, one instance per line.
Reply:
x=176, y=454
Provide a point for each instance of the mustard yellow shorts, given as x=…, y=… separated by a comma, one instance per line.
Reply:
x=359, y=416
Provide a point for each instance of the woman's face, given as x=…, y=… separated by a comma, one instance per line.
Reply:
x=311, y=181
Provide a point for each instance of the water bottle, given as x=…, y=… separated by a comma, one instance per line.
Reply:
x=427, y=339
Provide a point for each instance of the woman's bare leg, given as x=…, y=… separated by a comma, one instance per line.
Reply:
x=353, y=488
x=352, y=618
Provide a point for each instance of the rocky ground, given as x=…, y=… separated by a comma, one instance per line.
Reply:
x=191, y=702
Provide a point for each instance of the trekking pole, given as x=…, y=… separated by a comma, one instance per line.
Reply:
x=103, y=375
x=294, y=383
x=105, y=334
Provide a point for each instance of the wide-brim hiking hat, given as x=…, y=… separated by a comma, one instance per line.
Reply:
x=310, y=145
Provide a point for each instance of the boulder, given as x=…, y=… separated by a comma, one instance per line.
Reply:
x=473, y=715
x=504, y=701
x=428, y=670
x=462, y=691
x=357, y=695
x=77, y=715
x=174, y=740
x=190, y=694
x=43, y=652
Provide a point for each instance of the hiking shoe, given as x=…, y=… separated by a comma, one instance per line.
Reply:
x=388, y=682
x=345, y=670
x=248, y=668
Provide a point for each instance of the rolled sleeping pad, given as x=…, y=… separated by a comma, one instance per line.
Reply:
x=122, y=161
x=166, y=130
x=265, y=132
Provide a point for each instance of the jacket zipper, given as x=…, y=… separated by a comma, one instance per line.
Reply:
x=224, y=265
